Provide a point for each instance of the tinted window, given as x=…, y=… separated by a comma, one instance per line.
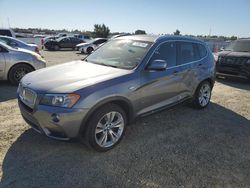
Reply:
x=202, y=50
x=5, y=33
x=187, y=52
x=167, y=52
x=86, y=37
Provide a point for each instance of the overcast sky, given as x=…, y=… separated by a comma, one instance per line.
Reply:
x=223, y=17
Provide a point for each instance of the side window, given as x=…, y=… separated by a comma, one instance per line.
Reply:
x=98, y=42
x=167, y=52
x=187, y=52
x=202, y=50
x=2, y=50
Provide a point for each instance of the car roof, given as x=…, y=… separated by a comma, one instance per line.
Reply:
x=159, y=38
x=12, y=38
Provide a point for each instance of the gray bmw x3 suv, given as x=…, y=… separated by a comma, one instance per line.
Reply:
x=94, y=99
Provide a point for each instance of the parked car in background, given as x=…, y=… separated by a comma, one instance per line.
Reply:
x=235, y=59
x=63, y=42
x=90, y=46
x=7, y=32
x=15, y=63
x=15, y=43
x=83, y=37
x=131, y=76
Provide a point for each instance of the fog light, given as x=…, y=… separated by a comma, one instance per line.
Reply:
x=55, y=117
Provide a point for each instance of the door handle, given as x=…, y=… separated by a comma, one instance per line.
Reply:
x=200, y=64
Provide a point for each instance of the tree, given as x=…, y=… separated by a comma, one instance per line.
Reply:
x=233, y=38
x=101, y=31
x=140, y=32
x=177, y=32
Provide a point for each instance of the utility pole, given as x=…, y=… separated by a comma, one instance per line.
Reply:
x=8, y=22
x=210, y=30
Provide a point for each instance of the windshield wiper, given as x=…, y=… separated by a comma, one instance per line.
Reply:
x=108, y=65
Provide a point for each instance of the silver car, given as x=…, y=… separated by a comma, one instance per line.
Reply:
x=15, y=43
x=127, y=77
x=15, y=63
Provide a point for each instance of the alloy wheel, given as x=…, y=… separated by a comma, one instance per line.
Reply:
x=109, y=129
x=204, y=94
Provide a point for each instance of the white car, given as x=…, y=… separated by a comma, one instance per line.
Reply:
x=88, y=47
x=15, y=43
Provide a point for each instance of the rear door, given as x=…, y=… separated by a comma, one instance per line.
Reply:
x=65, y=43
x=2, y=61
x=188, y=63
x=160, y=88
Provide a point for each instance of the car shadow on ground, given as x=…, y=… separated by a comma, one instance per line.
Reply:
x=173, y=148
x=235, y=82
x=7, y=91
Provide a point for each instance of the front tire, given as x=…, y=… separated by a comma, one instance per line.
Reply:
x=202, y=95
x=105, y=128
x=90, y=50
x=17, y=73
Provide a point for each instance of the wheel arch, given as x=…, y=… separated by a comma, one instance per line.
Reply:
x=20, y=63
x=122, y=102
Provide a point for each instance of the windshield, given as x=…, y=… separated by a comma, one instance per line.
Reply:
x=239, y=46
x=124, y=54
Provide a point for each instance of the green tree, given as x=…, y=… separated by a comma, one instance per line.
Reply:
x=140, y=32
x=101, y=31
x=233, y=38
x=177, y=32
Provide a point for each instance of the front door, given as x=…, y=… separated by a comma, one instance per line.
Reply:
x=160, y=88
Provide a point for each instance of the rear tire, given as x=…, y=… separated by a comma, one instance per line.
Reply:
x=106, y=128
x=202, y=95
x=17, y=72
x=56, y=48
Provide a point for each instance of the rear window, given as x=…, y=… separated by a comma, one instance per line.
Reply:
x=5, y=32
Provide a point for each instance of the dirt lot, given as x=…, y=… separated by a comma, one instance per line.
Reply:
x=180, y=147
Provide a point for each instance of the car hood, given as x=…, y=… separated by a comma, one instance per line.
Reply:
x=69, y=77
x=26, y=51
x=234, y=54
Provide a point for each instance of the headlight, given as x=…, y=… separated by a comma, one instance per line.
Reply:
x=60, y=100
x=38, y=57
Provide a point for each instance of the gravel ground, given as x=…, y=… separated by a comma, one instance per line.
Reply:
x=180, y=147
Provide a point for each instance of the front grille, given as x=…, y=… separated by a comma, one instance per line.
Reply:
x=232, y=60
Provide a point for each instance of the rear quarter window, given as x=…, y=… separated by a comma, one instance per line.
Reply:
x=202, y=50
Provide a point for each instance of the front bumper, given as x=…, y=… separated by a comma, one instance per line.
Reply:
x=54, y=122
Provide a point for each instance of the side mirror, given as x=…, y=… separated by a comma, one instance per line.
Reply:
x=222, y=49
x=157, y=65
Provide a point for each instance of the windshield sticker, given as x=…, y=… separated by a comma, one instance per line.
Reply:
x=140, y=44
